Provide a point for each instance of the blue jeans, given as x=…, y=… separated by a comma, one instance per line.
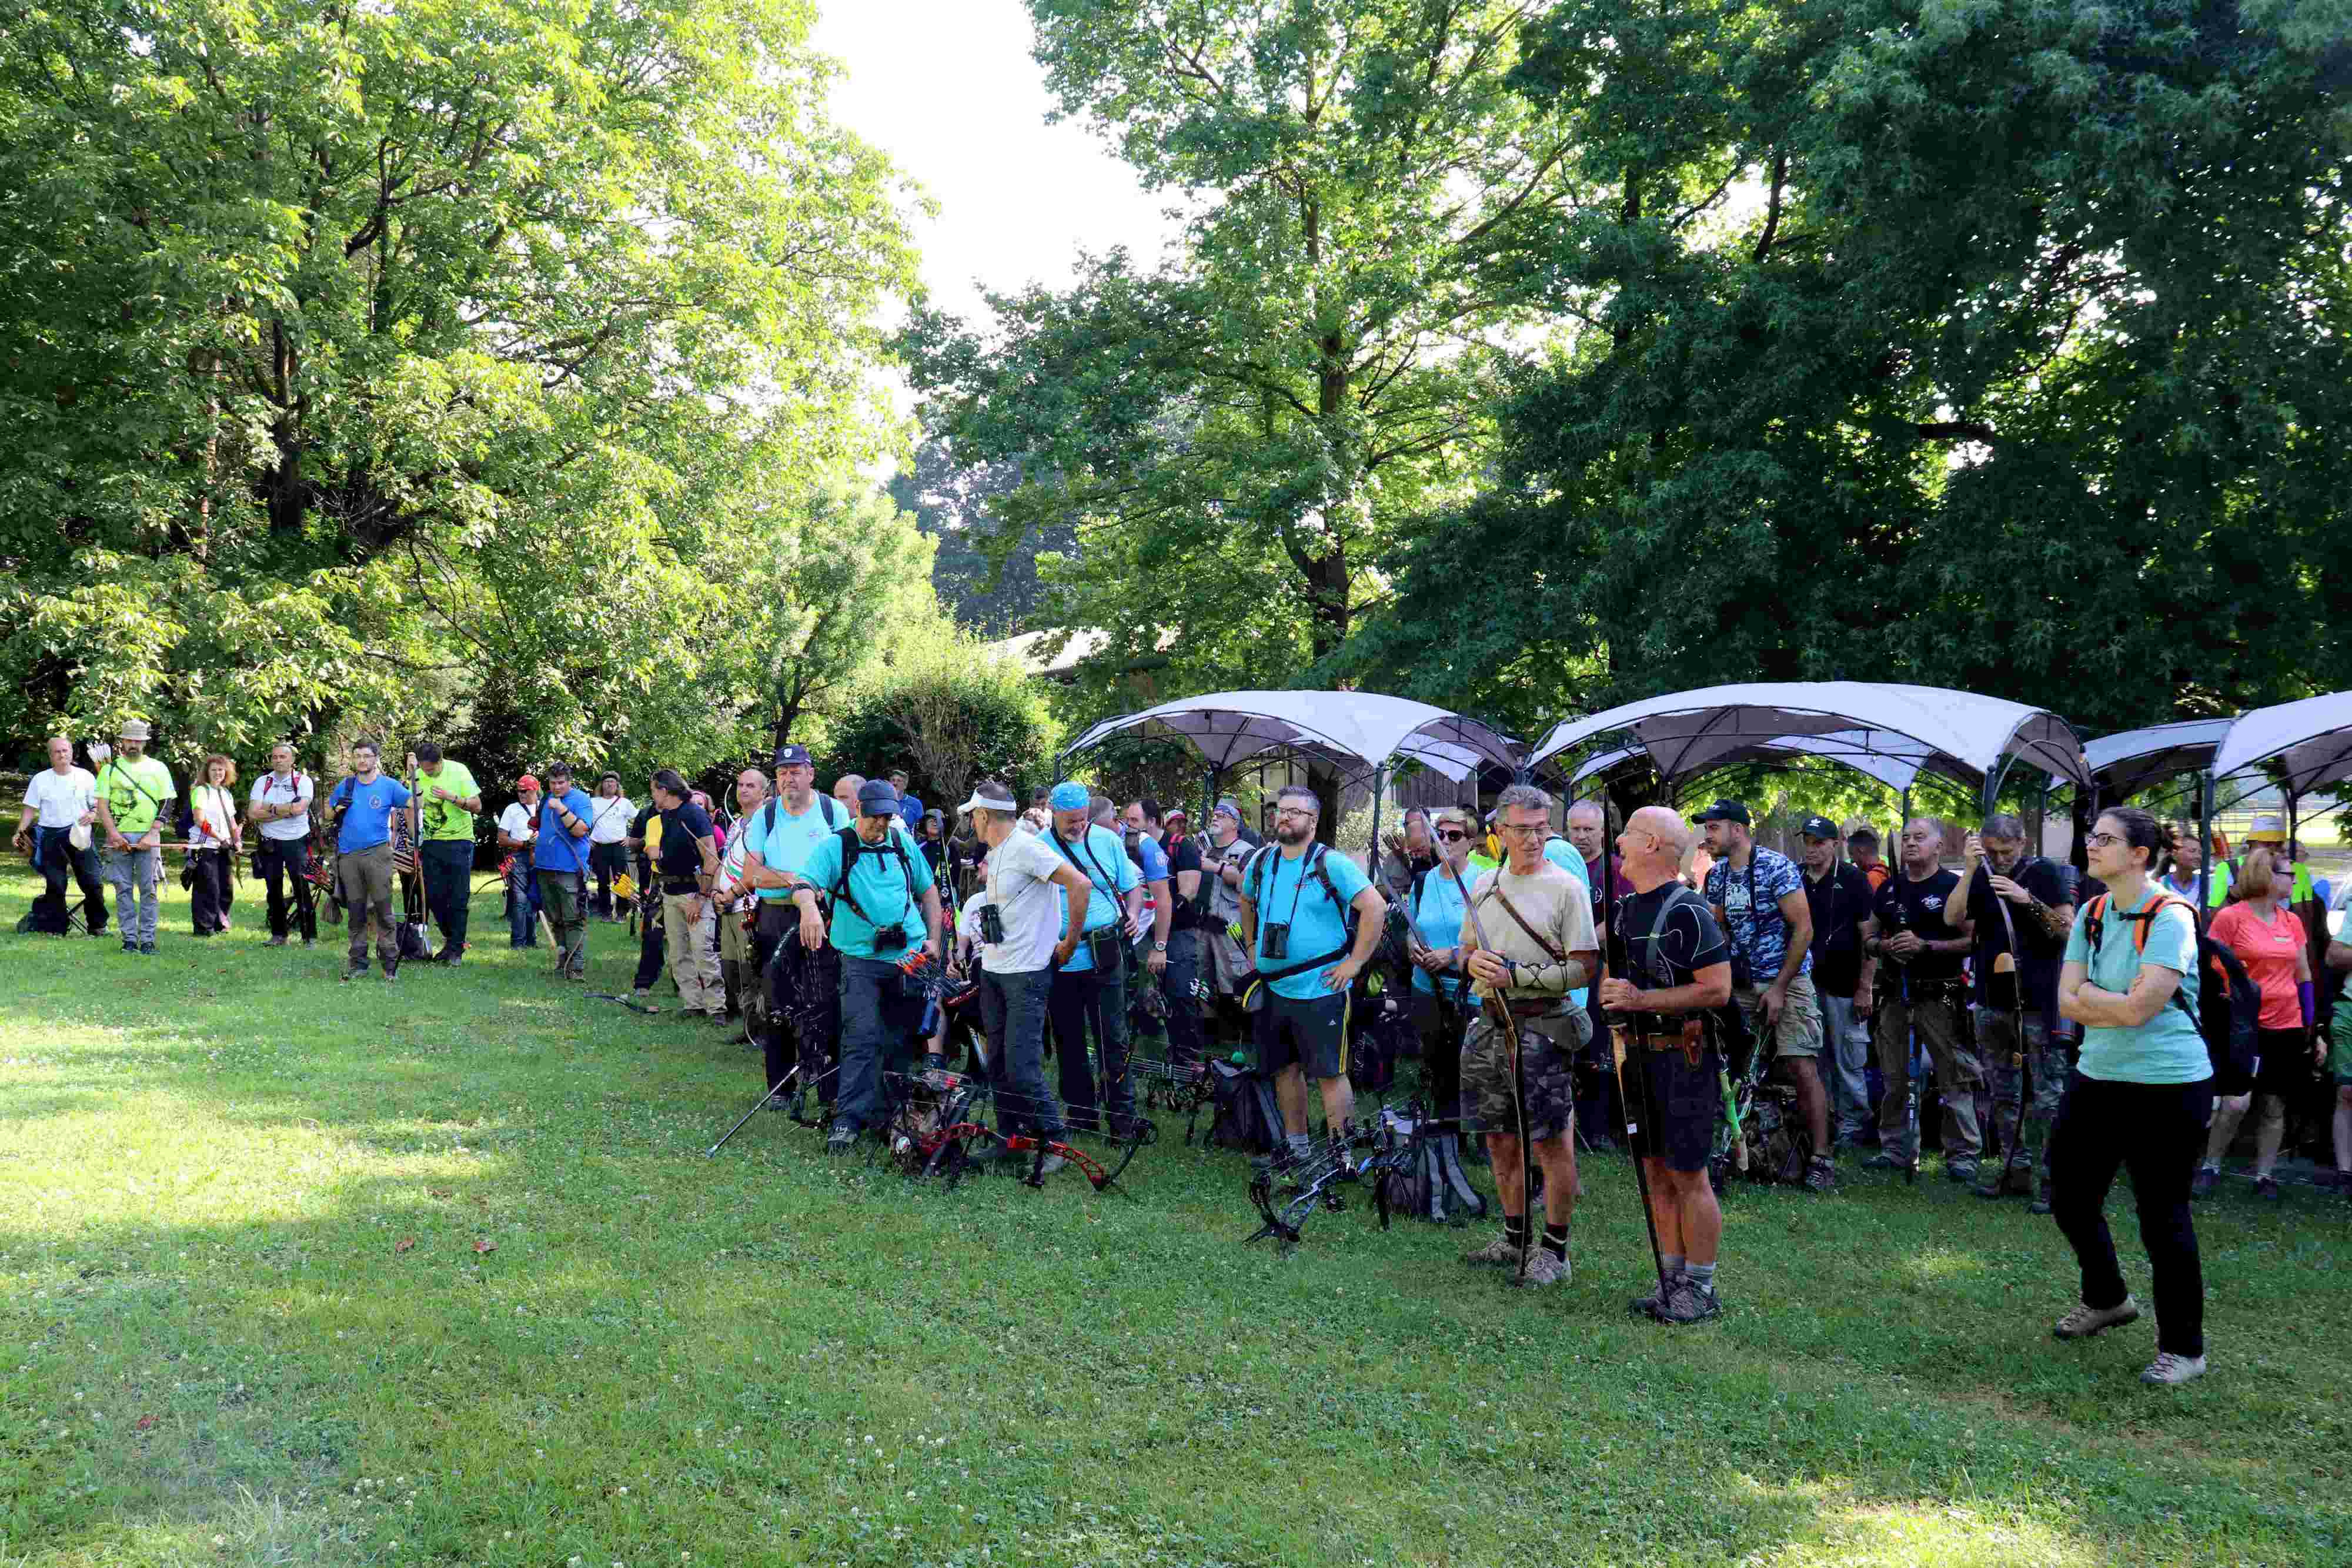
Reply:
x=878, y=1020
x=522, y=904
x=1012, y=1011
x=134, y=873
x=1846, y=1047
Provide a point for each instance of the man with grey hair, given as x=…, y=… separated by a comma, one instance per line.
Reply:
x=1528, y=936
x=2009, y=894
x=1298, y=901
x=1909, y=928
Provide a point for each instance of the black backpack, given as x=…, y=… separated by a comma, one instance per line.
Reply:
x=2228, y=1004
x=1247, y=1117
x=852, y=846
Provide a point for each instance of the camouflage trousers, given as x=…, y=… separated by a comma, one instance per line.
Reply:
x=2041, y=1062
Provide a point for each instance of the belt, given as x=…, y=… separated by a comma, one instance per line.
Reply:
x=1537, y=1007
x=676, y=884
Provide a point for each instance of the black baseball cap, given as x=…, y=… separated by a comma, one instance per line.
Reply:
x=1725, y=811
x=793, y=754
x=1819, y=828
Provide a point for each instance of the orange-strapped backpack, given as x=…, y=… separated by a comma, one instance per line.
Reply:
x=2228, y=1004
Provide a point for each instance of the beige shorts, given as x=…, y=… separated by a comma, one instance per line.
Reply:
x=1798, y=1033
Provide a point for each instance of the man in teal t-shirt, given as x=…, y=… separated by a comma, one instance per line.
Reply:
x=1088, y=1000
x=801, y=985
x=884, y=908
x=1296, y=904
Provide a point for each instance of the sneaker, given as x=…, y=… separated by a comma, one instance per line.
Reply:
x=310, y=942
x=1998, y=1185
x=1501, y=1251
x=838, y=1141
x=1820, y=1176
x=778, y=1101
x=274, y=942
x=1959, y=1172
x=2085, y=1319
x=1883, y=1160
x=131, y=948
x=1544, y=1268
x=2168, y=1369
x=1687, y=1304
x=2041, y=1204
x=1646, y=1306
x=2267, y=1189
x=2207, y=1177
x=392, y=973
x=147, y=949
x=354, y=971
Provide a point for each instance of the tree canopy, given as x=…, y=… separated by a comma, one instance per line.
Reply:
x=374, y=362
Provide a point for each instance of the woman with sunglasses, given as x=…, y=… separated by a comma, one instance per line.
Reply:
x=2139, y=1098
x=1435, y=905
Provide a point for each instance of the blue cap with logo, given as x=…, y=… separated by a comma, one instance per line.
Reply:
x=876, y=799
x=1069, y=795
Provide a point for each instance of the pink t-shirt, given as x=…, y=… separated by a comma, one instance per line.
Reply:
x=2269, y=952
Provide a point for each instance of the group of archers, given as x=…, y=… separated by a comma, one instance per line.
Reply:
x=1556, y=990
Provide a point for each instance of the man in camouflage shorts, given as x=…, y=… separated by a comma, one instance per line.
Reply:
x=1529, y=936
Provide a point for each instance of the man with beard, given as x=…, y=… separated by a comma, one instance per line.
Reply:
x=1908, y=928
x=801, y=982
x=1296, y=906
x=2004, y=891
x=1839, y=897
x=1222, y=862
x=441, y=823
x=361, y=808
x=561, y=862
x=881, y=907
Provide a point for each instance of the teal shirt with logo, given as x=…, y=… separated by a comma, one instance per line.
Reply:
x=879, y=883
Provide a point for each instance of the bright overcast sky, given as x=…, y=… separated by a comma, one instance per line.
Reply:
x=947, y=89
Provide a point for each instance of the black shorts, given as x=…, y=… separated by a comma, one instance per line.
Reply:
x=1676, y=1123
x=2285, y=1071
x=1313, y=1034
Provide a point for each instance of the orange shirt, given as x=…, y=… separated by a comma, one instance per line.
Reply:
x=2269, y=950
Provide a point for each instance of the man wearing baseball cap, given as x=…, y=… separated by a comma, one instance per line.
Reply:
x=519, y=838
x=883, y=906
x=1758, y=896
x=1839, y=897
x=801, y=985
x=132, y=792
x=1090, y=987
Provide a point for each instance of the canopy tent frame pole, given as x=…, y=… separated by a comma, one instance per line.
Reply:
x=1372, y=855
x=2204, y=844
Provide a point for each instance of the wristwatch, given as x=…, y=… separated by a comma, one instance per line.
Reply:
x=1160, y=946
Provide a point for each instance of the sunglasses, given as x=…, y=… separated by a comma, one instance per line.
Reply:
x=1451, y=835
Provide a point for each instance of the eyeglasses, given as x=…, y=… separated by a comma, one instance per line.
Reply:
x=2101, y=840
x=1451, y=835
x=1524, y=830
x=1296, y=812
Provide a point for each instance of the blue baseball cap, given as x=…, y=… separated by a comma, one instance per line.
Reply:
x=876, y=799
x=1069, y=795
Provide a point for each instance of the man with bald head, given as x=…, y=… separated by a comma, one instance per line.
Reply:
x=1918, y=988
x=846, y=788
x=1669, y=967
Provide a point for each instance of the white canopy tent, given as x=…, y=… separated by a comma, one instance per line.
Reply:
x=1967, y=737
x=2129, y=761
x=2308, y=743
x=1895, y=760
x=1365, y=730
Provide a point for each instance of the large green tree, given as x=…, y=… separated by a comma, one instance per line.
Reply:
x=2001, y=346
x=371, y=358
x=1237, y=435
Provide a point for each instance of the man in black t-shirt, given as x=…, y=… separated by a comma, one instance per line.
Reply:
x=1839, y=897
x=687, y=865
x=1924, y=996
x=1186, y=939
x=1668, y=965
x=2003, y=890
x=649, y=908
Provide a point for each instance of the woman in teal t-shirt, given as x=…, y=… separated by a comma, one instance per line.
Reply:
x=2139, y=1098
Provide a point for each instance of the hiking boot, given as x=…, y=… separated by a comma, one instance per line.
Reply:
x=354, y=971
x=274, y=942
x=131, y=948
x=2168, y=1369
x=1959, y=1172
x=776, y=1102
x=1883, y=1161
x=2086, y=1319
x=1051, y=1164
x=1642, y=1306
x=1544, y=1268
x=2202, y=1184
x=391, y=975
x=1820, y=1176
x=2003, y=1180
x=1502, y=1251
x=1687, y=1304
x=2267, y=1189
x=843, y=1136
x=147, y=949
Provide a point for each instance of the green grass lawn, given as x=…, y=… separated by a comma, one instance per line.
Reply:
x=222, y=1347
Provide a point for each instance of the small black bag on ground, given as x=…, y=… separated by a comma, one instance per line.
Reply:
x=1247, y=1118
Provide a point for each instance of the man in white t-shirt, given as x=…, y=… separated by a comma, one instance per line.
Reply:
x=518, y=836
x=609, y=816
x=1025, y=920
x=58, y=800
x=279, y=807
